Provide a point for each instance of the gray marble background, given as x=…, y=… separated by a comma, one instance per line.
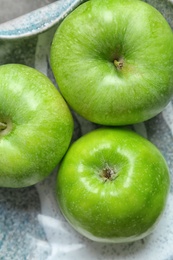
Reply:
x=31, y=225
x=11, y=9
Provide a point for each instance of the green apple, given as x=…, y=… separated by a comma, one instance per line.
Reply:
x=35, y=126
x=112, y=185
x=113, y=61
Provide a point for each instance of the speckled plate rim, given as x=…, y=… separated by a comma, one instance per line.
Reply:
x=38, y=20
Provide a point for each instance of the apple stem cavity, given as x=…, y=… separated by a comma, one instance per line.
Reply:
x=3, y=126
x=118, y=64
x=108, y=174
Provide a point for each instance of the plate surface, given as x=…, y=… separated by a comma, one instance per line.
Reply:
x=31, y=225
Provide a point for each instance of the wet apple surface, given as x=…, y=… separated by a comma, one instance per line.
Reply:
x=112, y=185
x=113, y=61
x=36, y=126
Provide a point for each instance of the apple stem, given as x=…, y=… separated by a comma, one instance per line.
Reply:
x=108, y=174
x=3, y=126
x=118, y=64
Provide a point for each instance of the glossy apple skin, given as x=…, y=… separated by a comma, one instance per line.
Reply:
x=39, y=126
x=124, y=208
x=99, y=34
